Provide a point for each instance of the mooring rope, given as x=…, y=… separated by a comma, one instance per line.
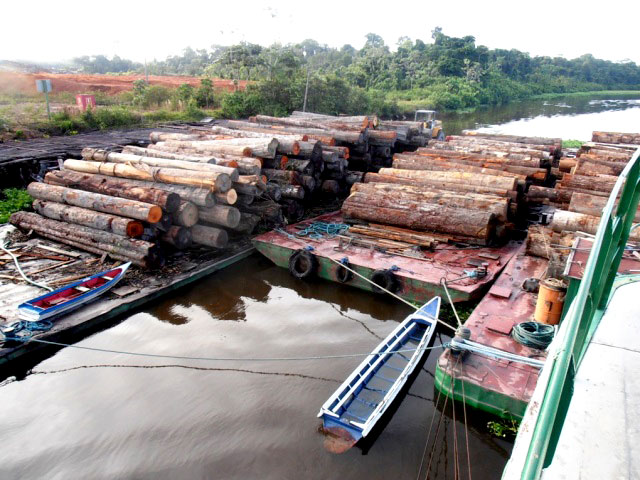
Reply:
x=28, y=280
x=228, y=359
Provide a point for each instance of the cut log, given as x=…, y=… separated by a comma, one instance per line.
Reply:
x=404, y=193
x=268, y=210
x=89, y=218
x=616, y=137
x=145, y=152
x=592, y=205
x=565, y=221
x=114, y=187
x=96, y=201
x=229, y=197
x=144, y=252
x=209, y=236
x=179, y=237
x=556, y=142
x=292, y=191
x=594, y=168
x=274, y=191
x=330, y=187
x=248, y=223
x=186, y=215
x=507, y=183
x=221, y=215
x=106, y=156
x=432, y=183
x=217, y=182
x=191, y=148
x=244, y=200
x=421, y=216
x=303, y=167
x=292, y=209
x=394, y=233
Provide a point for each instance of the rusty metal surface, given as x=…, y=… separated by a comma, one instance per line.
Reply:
x=446, y=261
x=580, y=253
x=491, y=323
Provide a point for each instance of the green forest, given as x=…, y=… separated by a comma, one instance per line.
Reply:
x=446, y=73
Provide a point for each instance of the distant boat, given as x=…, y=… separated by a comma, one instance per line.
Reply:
x=72, y=296
x=353, y=410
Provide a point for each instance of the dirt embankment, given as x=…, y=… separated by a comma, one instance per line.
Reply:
x=11, y=82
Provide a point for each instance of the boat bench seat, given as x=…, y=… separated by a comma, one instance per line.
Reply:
x=82, y=289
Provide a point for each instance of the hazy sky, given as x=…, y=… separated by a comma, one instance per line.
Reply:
x=51, y=31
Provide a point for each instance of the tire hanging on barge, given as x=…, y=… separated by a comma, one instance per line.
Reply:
x=303, y=264
x=343, y=275
x=385, y=279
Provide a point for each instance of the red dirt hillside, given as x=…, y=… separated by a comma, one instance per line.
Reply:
x=11, y=82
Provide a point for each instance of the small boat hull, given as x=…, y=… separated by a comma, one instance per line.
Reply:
x=357, y=405
x=63, y=300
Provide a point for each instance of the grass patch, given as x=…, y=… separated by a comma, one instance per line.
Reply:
x=572, y=143
x=595, y=93
x=15, y=199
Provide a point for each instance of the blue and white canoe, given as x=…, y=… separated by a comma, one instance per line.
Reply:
x=65, y=299
x=353, y=410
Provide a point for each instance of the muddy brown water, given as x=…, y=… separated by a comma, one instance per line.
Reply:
x=92, y=415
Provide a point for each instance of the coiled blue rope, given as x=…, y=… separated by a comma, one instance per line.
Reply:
x=533, y=334
x=23, y=330
x=318, y=230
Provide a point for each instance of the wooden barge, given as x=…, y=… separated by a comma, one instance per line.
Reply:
x=419, y=277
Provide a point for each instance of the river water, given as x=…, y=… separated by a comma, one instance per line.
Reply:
x=82, y=414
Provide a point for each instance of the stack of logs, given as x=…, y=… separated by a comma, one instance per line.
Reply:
x=204, y=185
x=466, y=189
x=125, y=205
x=581, y=194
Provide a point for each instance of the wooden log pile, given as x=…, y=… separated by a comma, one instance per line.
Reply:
x=468, y=188
x=582, y=193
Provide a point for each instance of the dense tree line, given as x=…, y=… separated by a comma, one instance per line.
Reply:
x=446, y=73
x=101, y=64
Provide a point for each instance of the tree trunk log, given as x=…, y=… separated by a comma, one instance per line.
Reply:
x=146, y=152
x=209, y=236
x=421, y=216
x=85, y=236
x=221, y=215
x=494, y=181
x=217, y=182
x=92, y=154
x=229, y=197
x=179, y=237
x=114, y=187
x=186, y=215
x=95, y=201
x=403, y=193
x=616, y=137
x=442, y=185
x=248, y=223
x=274, y=191
x=89, y=218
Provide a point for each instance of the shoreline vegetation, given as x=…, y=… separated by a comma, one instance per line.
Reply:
x=448, y=74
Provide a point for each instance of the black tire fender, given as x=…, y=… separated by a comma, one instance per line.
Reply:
x=385, y=279
x=342, y=274
x=303, y=264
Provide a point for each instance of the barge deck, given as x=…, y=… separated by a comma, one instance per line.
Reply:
x=419, y=276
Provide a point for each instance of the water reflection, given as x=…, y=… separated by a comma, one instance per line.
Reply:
x=568, y=118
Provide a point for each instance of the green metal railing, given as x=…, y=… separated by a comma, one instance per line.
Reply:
x=582, y=318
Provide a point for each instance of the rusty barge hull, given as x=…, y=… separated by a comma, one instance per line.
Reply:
x=419, y=279
x=500, y=387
